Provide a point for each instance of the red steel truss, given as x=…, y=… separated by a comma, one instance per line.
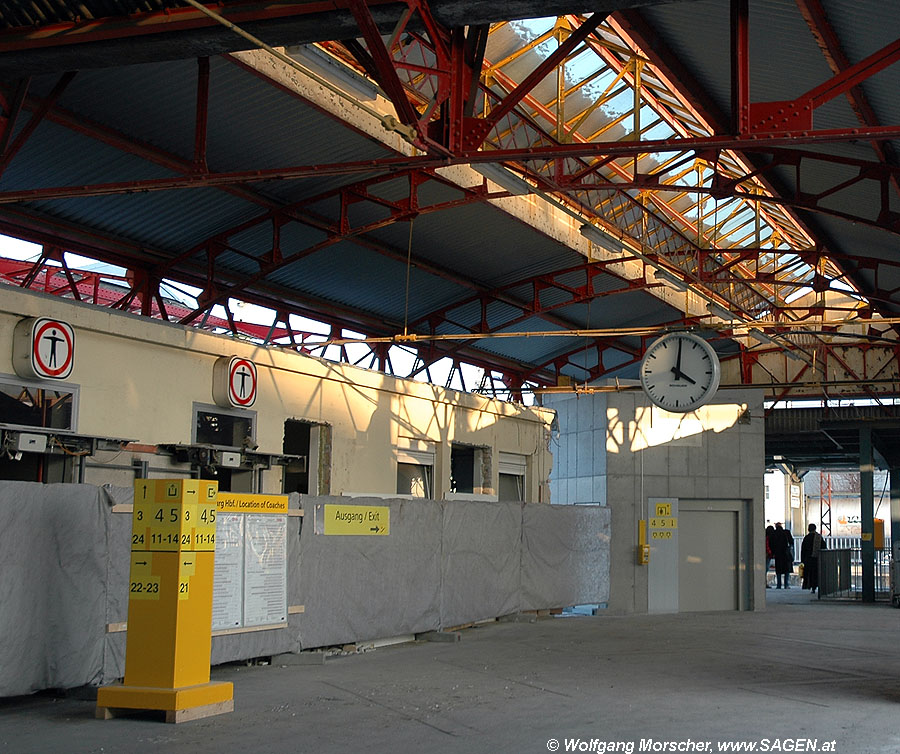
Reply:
x=460, y=108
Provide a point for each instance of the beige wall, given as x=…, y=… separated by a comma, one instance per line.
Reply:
x=139, y=380
x=615, y=450
x=710, y=457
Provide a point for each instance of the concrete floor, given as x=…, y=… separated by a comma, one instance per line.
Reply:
x=799, y=670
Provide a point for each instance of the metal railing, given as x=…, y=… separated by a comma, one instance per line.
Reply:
x=839, y=543
x=835, y=573
x=840, y=572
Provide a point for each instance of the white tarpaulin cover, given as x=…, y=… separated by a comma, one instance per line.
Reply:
x=358, y=587
x=64, y=577
x=565, y=556
x=482, y=561
x=53, y=562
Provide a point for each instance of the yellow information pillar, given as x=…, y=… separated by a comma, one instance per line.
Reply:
x=173, y=542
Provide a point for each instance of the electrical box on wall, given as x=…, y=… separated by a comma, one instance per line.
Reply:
x=643, y=554
x=229, y=460
x=26, y=442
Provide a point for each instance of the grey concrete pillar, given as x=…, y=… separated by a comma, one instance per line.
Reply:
x=895, y=511
x=867, y=512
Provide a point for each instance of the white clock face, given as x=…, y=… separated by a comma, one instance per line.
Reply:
x=680, y=372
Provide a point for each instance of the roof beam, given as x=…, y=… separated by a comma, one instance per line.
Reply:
x=827, y=39
x=178, y=33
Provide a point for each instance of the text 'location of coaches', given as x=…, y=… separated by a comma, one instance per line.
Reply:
x=359, y=520
x=43, y=348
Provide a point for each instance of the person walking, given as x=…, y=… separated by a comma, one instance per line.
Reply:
x=812, y=543
x=783, y=552
x=770, y=530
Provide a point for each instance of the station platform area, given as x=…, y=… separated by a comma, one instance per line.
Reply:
x=803, y=675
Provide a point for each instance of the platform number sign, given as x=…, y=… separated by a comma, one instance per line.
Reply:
x=234, y=382
x=43, y=348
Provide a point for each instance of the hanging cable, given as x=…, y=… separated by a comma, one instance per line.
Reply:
x=408, y=266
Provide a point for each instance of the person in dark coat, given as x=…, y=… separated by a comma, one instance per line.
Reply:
x=770, y=530
x=783, y=552
x=809, y=556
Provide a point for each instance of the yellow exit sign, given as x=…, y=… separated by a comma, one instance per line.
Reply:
x=360, y=520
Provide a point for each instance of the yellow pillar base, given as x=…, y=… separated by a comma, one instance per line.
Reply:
x=179, y=704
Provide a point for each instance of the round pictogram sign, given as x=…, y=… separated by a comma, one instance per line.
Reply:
x=52, y=349
x=242, y=382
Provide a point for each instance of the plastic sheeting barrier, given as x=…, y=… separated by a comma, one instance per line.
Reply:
x=64, y=577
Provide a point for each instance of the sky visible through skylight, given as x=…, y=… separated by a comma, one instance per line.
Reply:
x=403, y=359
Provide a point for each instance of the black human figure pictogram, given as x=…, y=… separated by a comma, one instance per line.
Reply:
x=243, y=373
x=54, y=339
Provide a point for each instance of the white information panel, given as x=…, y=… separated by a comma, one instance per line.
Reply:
x=228, y=586
x=250, y=586
x=265, y=570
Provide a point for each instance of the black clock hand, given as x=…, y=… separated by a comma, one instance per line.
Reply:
x=683, y=376
x=676, y=370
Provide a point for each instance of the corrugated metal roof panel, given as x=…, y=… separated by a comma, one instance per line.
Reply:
x=250, y=125
x=356, y=277
x=484, y=243
x=173, y=220
x=15, y=13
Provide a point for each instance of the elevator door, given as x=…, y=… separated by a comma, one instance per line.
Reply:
x=708, y=560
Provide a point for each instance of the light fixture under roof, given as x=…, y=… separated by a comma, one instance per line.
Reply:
x=596, y=236
x=719, y=311
x=504, y=178
x=762, y=337
x=786, y=346
x=669, y=279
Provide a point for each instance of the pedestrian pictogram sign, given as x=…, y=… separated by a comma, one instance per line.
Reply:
x=234, y=382
x=44, y=348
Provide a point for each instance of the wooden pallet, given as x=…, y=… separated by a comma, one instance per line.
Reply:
x=172, y=715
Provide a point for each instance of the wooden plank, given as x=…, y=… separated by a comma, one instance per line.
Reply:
x=469, y=625
x=197, y=713
x=442, y=636
x=114, y=628
x=135, y=447
x=459, y=627
x=251, y=629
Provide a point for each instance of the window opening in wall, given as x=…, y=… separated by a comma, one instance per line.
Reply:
x=227, y=429
x=230, y=480
x=470, y=470
x=462, y=469
x=415, y=480
x=299, y=437
x=415, y=473
x=37, y=404
x=37, y=467
x=512, y=487
x=512, y=477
